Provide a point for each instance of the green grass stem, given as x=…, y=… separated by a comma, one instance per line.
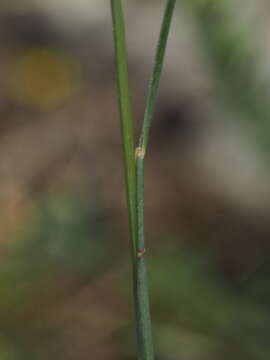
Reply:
x=156, y=75
x=145, y=342
x=125, y=118
x=144, y=317
x=134, y=166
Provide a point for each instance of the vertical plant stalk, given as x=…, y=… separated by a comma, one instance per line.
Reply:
x=155, y=78
x=125, y=119
x=134, y=166
x=144, y=336
x=127, y=136
x=143, y=316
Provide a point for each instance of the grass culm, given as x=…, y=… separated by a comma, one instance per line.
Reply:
x=133, y=160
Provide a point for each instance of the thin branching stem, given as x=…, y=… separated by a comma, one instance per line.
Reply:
x=125, y=118
x=155, y=79
x=134, y=166
x=143, y=316
x=127, y=140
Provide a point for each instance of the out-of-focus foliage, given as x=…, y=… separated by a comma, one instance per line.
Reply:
x=198, y=314
x=198, y=305
x=63, y=247
x=232, y=50
x=44, y=78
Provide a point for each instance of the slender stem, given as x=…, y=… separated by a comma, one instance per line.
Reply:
x=155, y=79
x=129, y=163
x=145, y=343
x=125, y=118
x=134, y=166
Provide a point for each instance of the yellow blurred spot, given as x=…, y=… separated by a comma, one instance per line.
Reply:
x=44, y=78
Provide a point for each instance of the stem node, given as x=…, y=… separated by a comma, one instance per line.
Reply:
x=139, y=153
x=140, y=253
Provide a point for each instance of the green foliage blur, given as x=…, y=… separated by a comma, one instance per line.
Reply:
x=64, y=246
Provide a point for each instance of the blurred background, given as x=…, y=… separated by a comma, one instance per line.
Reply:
x=65, y=281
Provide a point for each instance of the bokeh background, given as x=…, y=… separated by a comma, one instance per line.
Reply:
x=65, y=282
